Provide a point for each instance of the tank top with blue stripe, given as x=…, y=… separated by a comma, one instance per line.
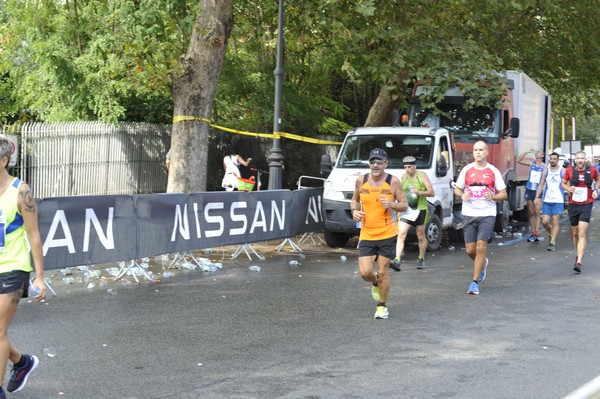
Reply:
x=16, y=252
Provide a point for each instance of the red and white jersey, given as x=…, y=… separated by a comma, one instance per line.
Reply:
x=476, y=182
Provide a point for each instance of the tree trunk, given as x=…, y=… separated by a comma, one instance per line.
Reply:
x=380, y=113
x=194, y=86
x=381, y=110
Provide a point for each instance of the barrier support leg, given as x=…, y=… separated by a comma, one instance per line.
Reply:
x=244, y=248
x=288, y=240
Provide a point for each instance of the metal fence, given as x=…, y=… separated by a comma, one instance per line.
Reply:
x=92, y=158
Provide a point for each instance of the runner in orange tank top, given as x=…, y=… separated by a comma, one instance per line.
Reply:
x=377, y=197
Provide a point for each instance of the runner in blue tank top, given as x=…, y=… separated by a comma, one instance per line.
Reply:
x=535, y=175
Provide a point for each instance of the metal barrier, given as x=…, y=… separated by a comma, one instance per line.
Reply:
x=93, y=158
x=306, y=236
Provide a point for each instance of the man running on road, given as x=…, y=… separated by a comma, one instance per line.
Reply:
x=377, y=197
x=479, y=185
x=578, y=180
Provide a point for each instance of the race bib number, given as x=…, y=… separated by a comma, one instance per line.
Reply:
x=554, y=196
x=580, y=194
x=411, y=214
x=477, y=192
x=535, y=176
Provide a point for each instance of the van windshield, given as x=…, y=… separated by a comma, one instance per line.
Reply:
x=356, y=149
x=479, y=123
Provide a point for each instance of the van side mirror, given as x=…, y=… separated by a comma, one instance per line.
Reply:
x=442, y=167
x=513, y=130
x=326, y=164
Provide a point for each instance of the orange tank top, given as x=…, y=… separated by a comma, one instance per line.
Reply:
x=379, y=223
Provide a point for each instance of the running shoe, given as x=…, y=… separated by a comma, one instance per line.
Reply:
x=473, y=288
x=421, y=264
x=536, y=238
x=395, y=264
x=375, y=293
x=551, y=247
x=19, y=375
x=532, y=238
x=382, y=312
x=483, y=272
x=577, y=267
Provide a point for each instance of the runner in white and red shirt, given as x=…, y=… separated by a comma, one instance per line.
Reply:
x=578, y=181
x=480, y=185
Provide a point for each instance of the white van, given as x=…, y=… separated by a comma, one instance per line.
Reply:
x=432, y=149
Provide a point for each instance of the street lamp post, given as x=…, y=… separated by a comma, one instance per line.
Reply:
x=276, y=157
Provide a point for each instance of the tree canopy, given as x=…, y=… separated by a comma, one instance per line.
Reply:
x=347, y=62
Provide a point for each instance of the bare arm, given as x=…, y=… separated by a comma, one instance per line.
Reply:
x=567, y=186
x=428, y=187
x=520, y=158
x=355, y=206
x=399, y=195
x=499, y=196
x=28, y=210
x=540, y=187
x=244, y=162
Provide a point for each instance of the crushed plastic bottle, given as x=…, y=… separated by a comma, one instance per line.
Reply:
x=254, y=268
x=343, y=258
x=294, y=263
x=111, y=291
x=168, y=275
x=68, y=280
x=451, y=248
x=33, y=291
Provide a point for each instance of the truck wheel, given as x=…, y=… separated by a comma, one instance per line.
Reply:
x=433, y=233
x=336, y=240
x=502, y=217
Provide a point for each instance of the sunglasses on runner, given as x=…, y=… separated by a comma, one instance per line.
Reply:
x=376, y=162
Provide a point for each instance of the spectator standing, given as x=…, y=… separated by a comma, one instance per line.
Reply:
x=231, y=165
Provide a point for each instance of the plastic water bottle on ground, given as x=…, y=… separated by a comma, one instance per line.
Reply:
x=168, y=275
x=254, y=268
x=343, y=258
x=294, y=263
x=50, y=352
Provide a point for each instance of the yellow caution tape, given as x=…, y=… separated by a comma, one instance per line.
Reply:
x=275, y=135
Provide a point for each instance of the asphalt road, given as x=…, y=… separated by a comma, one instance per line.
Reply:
x=308, y=331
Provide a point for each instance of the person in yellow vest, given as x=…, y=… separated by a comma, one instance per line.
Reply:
x=18, y=226
x=377, y=197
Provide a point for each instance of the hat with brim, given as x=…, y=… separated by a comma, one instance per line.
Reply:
x=377, y=153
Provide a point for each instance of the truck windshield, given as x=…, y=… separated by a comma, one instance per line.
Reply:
x=481, y=123
x=356, y=149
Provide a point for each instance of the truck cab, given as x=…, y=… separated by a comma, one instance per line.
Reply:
x=432, y=149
